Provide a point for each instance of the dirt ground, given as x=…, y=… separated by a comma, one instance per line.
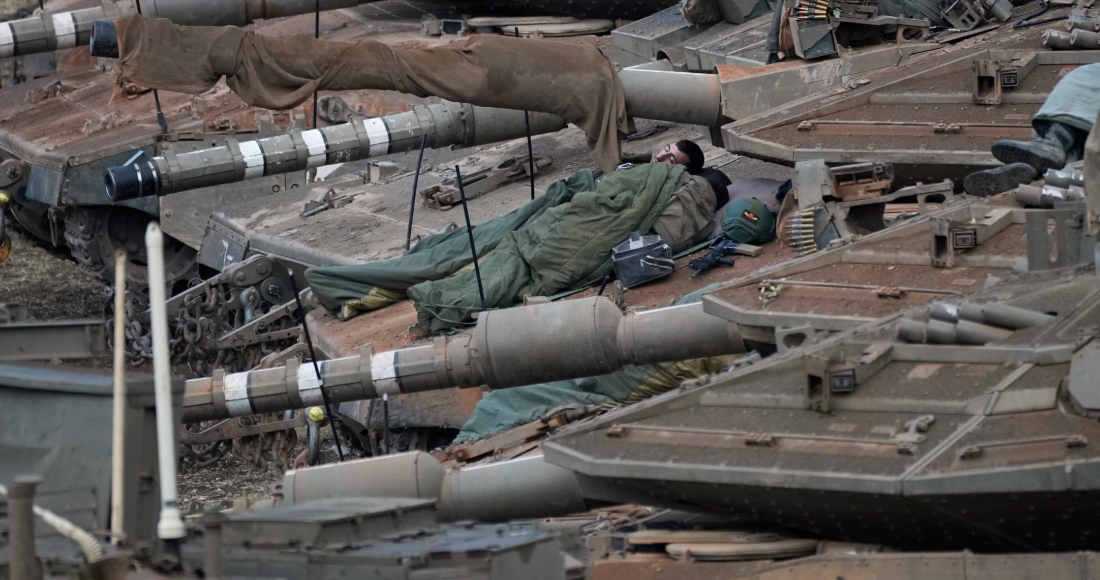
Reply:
x=234, y=478
x=49, y=283
x=53, y=287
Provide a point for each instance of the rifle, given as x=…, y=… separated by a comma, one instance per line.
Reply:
x=719, y=249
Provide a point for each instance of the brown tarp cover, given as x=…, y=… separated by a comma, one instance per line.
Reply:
x=574, y=81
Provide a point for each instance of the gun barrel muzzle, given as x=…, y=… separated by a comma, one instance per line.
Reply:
x=104, y=41
x=132, y=181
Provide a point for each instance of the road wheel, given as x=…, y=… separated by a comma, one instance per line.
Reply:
x=94, y=233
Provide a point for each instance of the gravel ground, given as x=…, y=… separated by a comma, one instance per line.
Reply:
x=219, y=485
x=234, y=478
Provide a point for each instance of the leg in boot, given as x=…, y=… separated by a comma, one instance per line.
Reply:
x=998, y=179
x=1046, y=150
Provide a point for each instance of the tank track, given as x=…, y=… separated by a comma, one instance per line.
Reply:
x=88, y=233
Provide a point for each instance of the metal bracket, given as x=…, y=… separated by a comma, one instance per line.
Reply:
x=812, y=39
x=258, y=330
x=914, y=429
x=976, y=451
x=251, y=271
x=221, y=247
x=949, y=235
x=873, y=359
x=476, y=184
x=817, y=389
x=1058, y=238
x=49, y=340
x=943, y=243
x=812, y=182
x=991, y=77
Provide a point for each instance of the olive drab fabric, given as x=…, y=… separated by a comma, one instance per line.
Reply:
x=566, y=247
x=560, y=241
x=574, y=81
x=501, y=410
x=369, y=286
x=689, y=216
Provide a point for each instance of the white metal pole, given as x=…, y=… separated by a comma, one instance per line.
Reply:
x=170, y=526
x=119, y=420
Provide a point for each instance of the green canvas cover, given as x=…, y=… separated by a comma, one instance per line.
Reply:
x=370, y=286
x=502, y=410
x=565, y=246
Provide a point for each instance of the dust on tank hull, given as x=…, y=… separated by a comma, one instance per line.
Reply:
x=927, y=447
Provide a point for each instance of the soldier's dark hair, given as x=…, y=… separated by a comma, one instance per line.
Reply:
x=694, y=153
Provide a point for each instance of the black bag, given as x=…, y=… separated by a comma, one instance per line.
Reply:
x=641, y=259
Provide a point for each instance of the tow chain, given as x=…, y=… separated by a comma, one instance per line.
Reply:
x=199, y=321
x=226, y=323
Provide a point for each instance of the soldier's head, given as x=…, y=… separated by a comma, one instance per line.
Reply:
x=682, y=152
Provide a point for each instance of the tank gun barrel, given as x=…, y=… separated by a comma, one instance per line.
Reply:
x=60, y=30
x=656, y=91
x=444, y=125
x=651, y=93
x=508, y=348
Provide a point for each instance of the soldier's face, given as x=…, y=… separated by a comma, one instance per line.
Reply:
x=671, y=156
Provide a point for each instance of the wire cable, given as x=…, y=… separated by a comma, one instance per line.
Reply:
x=316, y=367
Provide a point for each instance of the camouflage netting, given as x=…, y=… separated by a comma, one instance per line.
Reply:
x=574, y=81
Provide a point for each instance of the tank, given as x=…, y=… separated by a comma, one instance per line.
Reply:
x=59, y=197
x=924, y=397
x=955, y=397
x=51, y=31
x=919, y=402
x=55, y=182
x=653, y=91
x=959, y=407
x=728, y=84
x=92, y=226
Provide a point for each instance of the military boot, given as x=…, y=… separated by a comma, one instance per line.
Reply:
x=1046, y=151
x=999, y=179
